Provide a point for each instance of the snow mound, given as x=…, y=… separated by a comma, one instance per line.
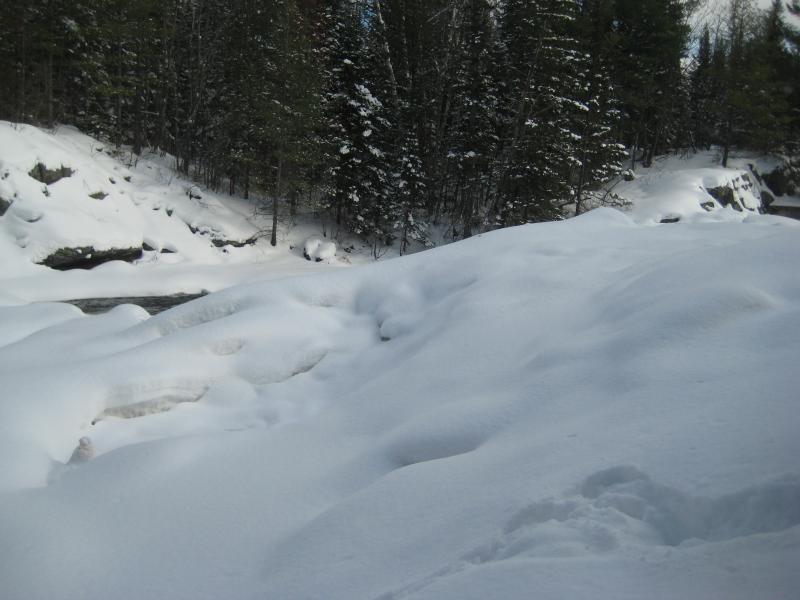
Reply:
x=319, y=250
x=583, y=408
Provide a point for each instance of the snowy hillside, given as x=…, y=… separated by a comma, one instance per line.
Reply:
x=591, y=409
x=695, y=187
x=66, y=198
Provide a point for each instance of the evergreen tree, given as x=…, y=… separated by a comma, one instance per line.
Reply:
x=355, y=127
x=540, y=145
x=702, y=105
x=599, y=155
x=651, y=40
x=472, y=133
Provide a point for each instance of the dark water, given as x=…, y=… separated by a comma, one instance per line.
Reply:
x=152, y=304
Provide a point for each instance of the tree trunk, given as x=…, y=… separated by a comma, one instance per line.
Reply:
x=726, y=148
x=49, y=86
x=387, y=57
x=273, y=240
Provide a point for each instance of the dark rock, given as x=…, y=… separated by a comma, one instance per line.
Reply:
x=767, y=198
x=169, y=212
x=127, y=178
x=98, y=195
x=220, y=243
x=167, y=251
x=87, y=257
x=707, y=206
x=722, y=194
x=147, y=247
x=112, y=180
x=4, y=205
x=49, y=176
x=670, y=219
x=783, y=181
x=725, y=195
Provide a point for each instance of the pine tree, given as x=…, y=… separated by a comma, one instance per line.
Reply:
x=599, y=155
x=472, y=133
x=540, y=150
x=651, y=40
x=702, y=105
x=355, y=127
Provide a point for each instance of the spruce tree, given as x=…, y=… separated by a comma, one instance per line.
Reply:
x=540, y=150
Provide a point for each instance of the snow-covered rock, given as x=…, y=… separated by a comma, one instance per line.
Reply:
x=694, y=189
x=84, y=452
x=319, y=250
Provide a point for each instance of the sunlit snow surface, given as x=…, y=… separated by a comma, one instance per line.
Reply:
x=587, y=409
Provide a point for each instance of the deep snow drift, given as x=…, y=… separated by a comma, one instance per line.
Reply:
x=588, y=409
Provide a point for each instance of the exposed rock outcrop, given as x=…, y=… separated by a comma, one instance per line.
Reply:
x=87, y=257
x=49, y=176
x=740, y=193
x=725, y=196
x=217, y=238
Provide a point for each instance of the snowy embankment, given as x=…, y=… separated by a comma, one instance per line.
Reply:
x=587, y=409
x=68, y=200
x=696, y=188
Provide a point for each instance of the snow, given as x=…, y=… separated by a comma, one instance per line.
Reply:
x=595, y=408
x=598, y=408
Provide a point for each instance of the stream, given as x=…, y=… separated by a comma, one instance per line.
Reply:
x=152, y=304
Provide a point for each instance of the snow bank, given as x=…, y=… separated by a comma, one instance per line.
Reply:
x=584, y=408
x=692, y=189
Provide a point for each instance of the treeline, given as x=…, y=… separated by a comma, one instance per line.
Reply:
x=395, y=114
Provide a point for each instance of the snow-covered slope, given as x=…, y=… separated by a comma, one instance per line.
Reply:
x=192, y=238
x=695, y=187
x=102, y=203
x=589, y=409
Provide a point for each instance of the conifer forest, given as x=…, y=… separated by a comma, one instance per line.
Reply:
x=393, y=115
